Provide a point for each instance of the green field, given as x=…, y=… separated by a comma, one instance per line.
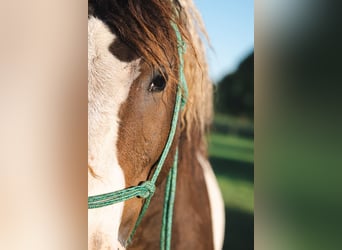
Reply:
x=232, y=158
x=231, y=147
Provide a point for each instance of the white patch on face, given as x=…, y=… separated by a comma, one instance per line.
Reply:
x=216, y=202
x=109, y=82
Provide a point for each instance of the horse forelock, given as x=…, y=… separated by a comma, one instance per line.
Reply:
x=199, y=110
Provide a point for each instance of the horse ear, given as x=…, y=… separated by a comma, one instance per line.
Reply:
x=90, y=8
x=122, y=51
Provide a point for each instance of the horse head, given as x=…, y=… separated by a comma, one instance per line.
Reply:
x=131, y=98
x=135, y=70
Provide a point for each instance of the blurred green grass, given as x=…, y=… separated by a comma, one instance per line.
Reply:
x=231, y=147
x=232, y=121
x=237, y=192
x=232, y=158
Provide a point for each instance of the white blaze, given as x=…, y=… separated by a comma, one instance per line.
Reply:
x=109, y=81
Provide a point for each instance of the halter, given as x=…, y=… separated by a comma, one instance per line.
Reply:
x=146, y=189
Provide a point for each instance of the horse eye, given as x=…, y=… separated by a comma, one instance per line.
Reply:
x=157, y=84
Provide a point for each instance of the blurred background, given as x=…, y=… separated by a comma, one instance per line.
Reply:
x=230, y=26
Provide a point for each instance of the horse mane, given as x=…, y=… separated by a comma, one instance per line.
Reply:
x=145, y=26
x=199, y=109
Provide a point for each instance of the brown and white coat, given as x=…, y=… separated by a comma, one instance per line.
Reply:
x=132, y=79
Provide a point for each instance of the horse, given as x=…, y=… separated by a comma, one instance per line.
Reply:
x=149, y=111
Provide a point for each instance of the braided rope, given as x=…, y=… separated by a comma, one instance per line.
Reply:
x=169, y=200
x=144, y=190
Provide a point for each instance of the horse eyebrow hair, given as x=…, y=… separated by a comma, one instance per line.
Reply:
x=159, y=71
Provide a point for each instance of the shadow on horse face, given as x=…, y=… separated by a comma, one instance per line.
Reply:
x=130, y=107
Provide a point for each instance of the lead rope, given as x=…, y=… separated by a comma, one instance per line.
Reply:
x=170, y=190
x=169, y=200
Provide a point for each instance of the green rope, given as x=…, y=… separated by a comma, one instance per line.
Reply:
x=181, y=50
x=169, y=199
x=165, y=211
x=144, y=190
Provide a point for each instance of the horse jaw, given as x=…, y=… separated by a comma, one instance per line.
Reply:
x=109, y=82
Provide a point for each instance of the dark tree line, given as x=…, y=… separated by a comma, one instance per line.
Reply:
x=235, y=92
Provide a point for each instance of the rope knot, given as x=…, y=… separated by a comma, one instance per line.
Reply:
x=147, y=189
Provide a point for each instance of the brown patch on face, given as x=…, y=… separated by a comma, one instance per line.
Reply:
x=145, y=121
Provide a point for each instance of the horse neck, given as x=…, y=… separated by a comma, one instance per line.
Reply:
x=192, y=215
x=192, y=209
